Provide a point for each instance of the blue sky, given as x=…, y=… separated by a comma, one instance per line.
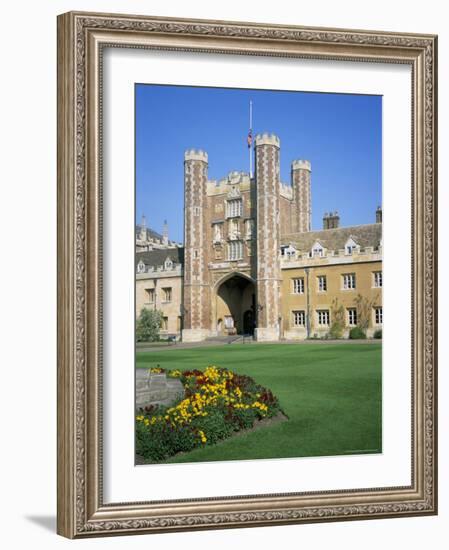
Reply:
x=341, y=135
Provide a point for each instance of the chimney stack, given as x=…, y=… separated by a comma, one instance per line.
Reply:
x=331, y=220
x=379, y=214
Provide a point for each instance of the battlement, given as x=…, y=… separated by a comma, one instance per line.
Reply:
x=298, y=259
x=195, y=154
x=301, y=165
x=221, y=186
x=267, y=139
x=286, y=191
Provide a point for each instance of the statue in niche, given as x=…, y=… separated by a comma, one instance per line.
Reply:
x=217, y=232
x=249, y=229
x=234, y=229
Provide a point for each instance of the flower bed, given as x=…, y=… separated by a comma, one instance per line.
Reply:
x=216, y=404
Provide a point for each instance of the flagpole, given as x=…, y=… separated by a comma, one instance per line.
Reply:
x=251, y=132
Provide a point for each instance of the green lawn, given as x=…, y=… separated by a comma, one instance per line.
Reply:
x=330, y=392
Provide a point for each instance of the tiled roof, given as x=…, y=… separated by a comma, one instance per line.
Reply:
x=157, y=257
x=335, y=239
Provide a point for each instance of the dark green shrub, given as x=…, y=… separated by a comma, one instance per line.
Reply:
x=357, y=333
x=154, y=445
x=181, y=439
x=161, y=440
x=378, y=334
x=214, y=426
x=244, y=418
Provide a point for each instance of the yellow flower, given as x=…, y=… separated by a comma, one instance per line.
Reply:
x=174, y=373
x=155, y=370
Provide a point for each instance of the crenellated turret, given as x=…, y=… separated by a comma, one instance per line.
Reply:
x=268, y=236
x=196, y=289
x=302, y=196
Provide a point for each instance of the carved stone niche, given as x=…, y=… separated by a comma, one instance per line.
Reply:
x=217, y=232
x=218, y=249
x=234, y=192
x=233, y=229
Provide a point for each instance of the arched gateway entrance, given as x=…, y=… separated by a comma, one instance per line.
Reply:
x=235, y=305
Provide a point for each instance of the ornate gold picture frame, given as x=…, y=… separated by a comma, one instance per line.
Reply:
x=82, y=40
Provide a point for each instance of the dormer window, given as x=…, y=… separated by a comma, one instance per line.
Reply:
x=168, y=264
x=317, y=250
x=140, y=267
x=288, y=251
x=350, y=246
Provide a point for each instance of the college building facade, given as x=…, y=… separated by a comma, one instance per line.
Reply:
x=250, y=263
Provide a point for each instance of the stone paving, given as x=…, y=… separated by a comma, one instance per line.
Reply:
x=156, y=389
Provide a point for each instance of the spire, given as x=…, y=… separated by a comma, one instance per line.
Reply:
x=165, y=233
x=143, y=228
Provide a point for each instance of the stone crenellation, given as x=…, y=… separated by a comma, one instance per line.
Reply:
x=195, y=154
x=267, y=139
x=301, y=165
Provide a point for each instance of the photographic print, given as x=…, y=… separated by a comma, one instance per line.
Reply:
x=231, y=197
x=258, y=274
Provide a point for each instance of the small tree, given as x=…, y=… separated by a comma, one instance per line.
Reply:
x=338, y=319
x=364, y=307
x=148, y=325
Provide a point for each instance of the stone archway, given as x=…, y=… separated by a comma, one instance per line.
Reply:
x=235, y=305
